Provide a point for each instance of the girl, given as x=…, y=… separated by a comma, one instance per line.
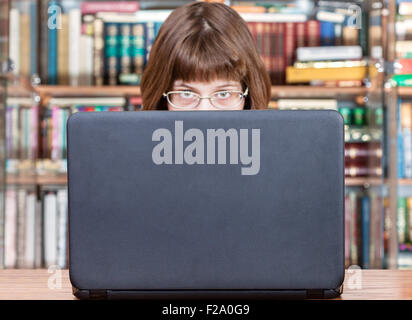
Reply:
x=204, y=58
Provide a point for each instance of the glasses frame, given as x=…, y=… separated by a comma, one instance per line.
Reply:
x=210, y=98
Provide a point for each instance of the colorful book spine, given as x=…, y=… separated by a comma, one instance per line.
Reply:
x=402, y=225
x=406, y=128
x=52, y=44
x=149, y=38
x=74, y=46
x=33, y=38
x=93, y=7
x=63, y=51
x=111, y=50
x=327, y=33
x=138, y=48
x=98, y=52
x=14, y=36
x=401, y=172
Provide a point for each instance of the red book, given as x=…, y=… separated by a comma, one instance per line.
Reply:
x=301, y=34
x=313, y=33
x=405, y=66
x=290, y=44
x=112, y=6
x=252, y=29
x=274, y=53
x=281, y=53
x=267, y=43
x=258, y=27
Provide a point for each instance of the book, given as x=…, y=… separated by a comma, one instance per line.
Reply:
x=406, y=127
x=74, y=47
x=62, y=217
x=92, y=7
x=298, y=75
x=34, y=39
x=329, y=53
x=24, y=60
x=366, y=232
x=63, y=51
x=10, y=229
x=403, y=66
x=138, y=48
x=50, y=229
x=400, y=142
x=111, y=56
x=408, y=235
x=21, y=226
x=98, y=52
x=402, y=80
x=347, y=230
x=29, y=231
x=14, y=36
x=402, y=225
x=86, y=63
x=308, y=104
x=327, y=33
x=52, y=61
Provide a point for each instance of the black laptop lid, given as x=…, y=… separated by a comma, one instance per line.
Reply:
x=136, y=224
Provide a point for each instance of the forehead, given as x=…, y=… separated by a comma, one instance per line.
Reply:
x=207, y=85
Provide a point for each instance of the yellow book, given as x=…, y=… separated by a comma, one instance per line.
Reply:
x=63, y=51
x=24, y=45
x=295, y=75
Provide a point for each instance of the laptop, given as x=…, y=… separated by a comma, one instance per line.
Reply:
x=208, y=204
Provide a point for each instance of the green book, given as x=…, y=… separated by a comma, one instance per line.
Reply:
x=402, y=225
x=110, y=52
x=138, y=47
x=403, y=80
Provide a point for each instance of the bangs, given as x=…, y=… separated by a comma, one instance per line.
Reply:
x=206, y=58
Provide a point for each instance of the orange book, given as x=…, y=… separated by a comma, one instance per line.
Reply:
x=249, y=9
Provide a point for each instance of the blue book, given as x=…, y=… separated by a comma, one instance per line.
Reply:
x=52, y=44
x=327, y=33
x=157, y=26
x=365, y=231
x=33, y=38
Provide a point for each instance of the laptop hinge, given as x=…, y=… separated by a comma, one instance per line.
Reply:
x=315, y=294
x=98, y=294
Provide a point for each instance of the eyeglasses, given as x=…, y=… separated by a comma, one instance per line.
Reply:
x=187, y=99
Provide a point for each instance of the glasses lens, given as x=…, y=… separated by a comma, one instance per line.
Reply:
x=227, y=99
x=183, y=99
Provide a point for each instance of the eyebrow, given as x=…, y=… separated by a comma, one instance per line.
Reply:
x=194, y=89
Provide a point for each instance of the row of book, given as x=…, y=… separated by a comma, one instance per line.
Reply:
x=365, y=229
x=35, y=228
x=30, y=135
x=363, y=159
x=109, y=43
x=354, y=113
x=23, y=124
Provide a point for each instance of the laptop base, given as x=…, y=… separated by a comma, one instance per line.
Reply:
x=207, y=294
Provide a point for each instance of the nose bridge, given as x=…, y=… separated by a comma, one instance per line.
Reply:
x=205, y=104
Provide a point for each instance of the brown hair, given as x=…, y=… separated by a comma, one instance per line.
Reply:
x=204, y=41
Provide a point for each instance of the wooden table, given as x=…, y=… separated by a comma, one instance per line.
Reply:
x=33, y=284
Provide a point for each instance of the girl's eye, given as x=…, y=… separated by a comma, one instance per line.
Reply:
x=186, y=94
x=223, y=94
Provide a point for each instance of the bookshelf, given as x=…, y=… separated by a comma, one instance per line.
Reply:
x=372, y=102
